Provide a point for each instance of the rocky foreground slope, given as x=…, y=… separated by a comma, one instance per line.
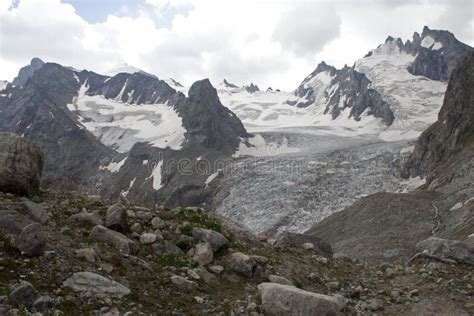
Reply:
x=71, y=254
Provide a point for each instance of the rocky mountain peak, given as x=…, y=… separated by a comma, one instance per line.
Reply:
x=203, y=90
x=252, y=88
x=322, y=66
x=228, y=84
x=27, y=72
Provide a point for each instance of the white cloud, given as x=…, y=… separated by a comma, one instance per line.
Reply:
x=307, y=27
x=272, y=43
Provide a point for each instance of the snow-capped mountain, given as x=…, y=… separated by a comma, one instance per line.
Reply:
x=394, y=92
x=91, y=125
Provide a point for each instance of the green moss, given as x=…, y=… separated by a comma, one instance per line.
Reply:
x=196, y=217
x=173, y=260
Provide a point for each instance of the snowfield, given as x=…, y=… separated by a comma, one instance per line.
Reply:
x=121, y=125
x=414, y=100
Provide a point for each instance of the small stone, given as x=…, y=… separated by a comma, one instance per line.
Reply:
x=205, y=275
x=414, y=292
x=193, y=275
x=43, y=304
x=390, y=273
x=183, y=283
x=308, y=246
x=262, y=237
x=148, y=238
x=157, y=222
x=374, y=305
x=23, y=294
x=199, y=300
x=321, y=259
x=136, y=228
x=203, y=254
x=89, y=254
x=216, y=269
x=242, y=264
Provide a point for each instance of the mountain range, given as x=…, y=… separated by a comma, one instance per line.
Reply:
x=122, y=134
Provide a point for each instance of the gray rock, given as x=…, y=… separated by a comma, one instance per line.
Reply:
x=279, y=280
x=203, y=254
x=23, y=294
x=183, y=283
x=35, y=211
x=216, y=269
x=114, y=239
x=205, y=275
x=116, y=218
x=136, y=228
x=148, y=238
x=91, y=218
x=89, y=254
x=449, y=249
x=217, y=240
x=157, y=222
x=280, y=299
x=95, y=285
x=27, y=72
x=21, y=164
x=12, y=222
x=32, y=240
x=43, y=304
x=166, y=247
x=242, y=264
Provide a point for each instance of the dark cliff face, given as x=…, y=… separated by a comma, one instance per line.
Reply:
x=208, y=123
x=38, y=111
x=348, y=89
x=27, y=72
x=433, y=61
x=353, y=92
x=452, y=135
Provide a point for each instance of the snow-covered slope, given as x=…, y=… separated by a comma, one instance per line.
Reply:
x=264, y=111
x=3, y=84
x=120, y=125
x=415, y=100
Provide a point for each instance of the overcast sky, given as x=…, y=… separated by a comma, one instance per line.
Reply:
x=269, y=42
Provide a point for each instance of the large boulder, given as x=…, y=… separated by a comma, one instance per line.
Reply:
x=114, y=239
x=35, y=211
x=116, y=218
x=32, y=240
x=23, y=294
x=217, y=240
x=447, y=249
x=278, y=299
x=95, y=285
x=21, y=163
x=12, y=222
x=318, y=246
